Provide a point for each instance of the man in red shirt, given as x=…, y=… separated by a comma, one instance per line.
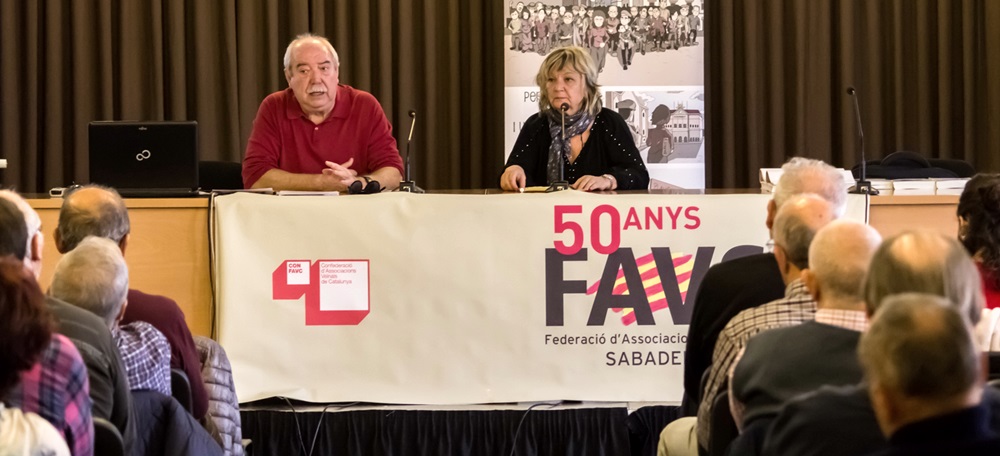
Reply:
x=318, y=134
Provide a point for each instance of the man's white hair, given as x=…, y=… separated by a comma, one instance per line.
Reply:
x=309, y=36
x=806, y=175
x=31, y=219
x=93, y=276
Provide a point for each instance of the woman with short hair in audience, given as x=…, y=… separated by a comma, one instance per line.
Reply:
x=25, y=331
x=979, y=231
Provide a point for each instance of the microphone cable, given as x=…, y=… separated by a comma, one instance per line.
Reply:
x=319, y=425
x=517, y=430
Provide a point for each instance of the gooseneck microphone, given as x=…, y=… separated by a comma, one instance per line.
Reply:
x=561, y=184
x=863, y=186
x=408, y=185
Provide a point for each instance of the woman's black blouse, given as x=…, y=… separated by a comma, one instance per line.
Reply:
x=609, y=150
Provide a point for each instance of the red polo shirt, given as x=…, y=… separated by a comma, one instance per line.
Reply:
x=283, y=137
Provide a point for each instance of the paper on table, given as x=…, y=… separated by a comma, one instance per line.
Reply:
x=305, y=193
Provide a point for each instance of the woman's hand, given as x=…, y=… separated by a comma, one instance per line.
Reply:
x=513, y=179
x=594, y=183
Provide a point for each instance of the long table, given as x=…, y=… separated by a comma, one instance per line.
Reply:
x=168, y=253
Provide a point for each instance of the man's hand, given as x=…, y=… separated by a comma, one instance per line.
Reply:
x=335, y=177
x=341, y=174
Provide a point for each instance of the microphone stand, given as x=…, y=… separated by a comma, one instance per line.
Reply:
x=408, y=185
x=561, y=184
x=863, y=186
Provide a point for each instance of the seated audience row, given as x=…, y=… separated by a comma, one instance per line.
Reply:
x=36, y=363
x=819, y=357
x=99, y=211
x=811, y=196
x=109, y=391
x=780, y=364
x=840, y=420
x=744, y=283
x=119, y=361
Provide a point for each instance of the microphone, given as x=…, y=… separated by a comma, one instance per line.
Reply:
x=563, y=109
x=863, y=187
x=408, y=185
x=561, y=184
x=413, y=121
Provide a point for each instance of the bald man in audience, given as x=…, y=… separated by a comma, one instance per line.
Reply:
x=742, y=283
x=109, y=389
x=925, y=379
x=840, y=420
x=782, y=363
x=795, y=225
x=94, y=210
x=94, y=277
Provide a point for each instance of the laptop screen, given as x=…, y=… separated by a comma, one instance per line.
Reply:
x=144, y=155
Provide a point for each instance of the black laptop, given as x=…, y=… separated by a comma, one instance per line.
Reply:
x=145, y=159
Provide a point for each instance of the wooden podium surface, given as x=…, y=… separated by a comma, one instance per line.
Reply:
x=167, y=252
x=891, y=214
x=168, y=255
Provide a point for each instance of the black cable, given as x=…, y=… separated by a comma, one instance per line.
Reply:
x=312, y=446
x=513, y=443
x=298, y=429
x=211, y=261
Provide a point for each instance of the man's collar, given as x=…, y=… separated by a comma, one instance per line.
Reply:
x=855, y=320
x=796, y=287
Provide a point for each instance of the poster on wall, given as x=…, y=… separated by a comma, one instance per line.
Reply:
x=651, y=60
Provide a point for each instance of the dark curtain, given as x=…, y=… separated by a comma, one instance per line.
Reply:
x=583, y=431
x=64, y=63
x=927, y=74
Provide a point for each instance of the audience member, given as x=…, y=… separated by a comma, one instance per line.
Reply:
x=99, y=211
x=794, y=227
x=840, y=420
x=167, y=429
x=319, y=134
x=109, y=389
x=782, y=363
x=979, y=231
x=41, y=373
x=732, y=286
x=925, y=379
x=94, y=277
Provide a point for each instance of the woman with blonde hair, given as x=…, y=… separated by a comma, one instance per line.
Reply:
x=598, y=151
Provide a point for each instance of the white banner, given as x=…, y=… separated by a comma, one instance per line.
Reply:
x=458, y=299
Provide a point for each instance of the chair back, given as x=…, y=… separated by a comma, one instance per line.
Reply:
x=180, y=388
x=107, y=440
x=723, y=427
x=219, y=175
x=993, y=369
